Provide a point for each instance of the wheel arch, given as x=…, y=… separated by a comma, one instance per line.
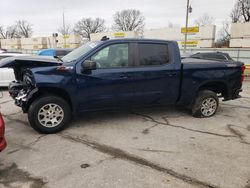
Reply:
x=218, y=87
x=42, y=91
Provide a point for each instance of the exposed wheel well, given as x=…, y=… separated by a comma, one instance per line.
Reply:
x=50, y=91
x=217, y=87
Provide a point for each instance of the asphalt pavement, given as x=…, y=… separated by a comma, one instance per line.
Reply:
x=156, y=147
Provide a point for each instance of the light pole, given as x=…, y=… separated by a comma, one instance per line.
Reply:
x=189, y=10
x=64, y=35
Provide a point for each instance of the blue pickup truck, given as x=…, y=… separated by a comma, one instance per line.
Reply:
x=119, y=74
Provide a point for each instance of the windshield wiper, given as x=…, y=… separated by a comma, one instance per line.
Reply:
x=58, y=58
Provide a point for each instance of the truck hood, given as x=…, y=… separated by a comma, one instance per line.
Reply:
x=29, y=61
x=21, y=63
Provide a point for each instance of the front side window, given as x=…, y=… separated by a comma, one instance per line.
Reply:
x=153, y=54
x=113, y=56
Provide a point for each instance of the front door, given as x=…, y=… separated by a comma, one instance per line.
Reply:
x=110, y=85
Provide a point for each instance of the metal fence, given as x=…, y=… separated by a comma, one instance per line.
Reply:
x=238, y=54
x=33, y=52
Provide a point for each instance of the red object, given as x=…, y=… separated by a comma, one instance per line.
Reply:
x=243, y=68
x=3, y=143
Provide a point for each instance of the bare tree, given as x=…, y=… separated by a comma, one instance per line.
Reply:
x=241, y=11
x=9, y=32
x=129, y=20
x=245, y=7
x=235, y=14
x=204, y=20
x=65, y=30
x=224, y=35
x=86, y=26
x=24, y=28
x=3, y=33
x=21, y=29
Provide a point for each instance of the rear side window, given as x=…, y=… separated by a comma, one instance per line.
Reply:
x=214, y=56
x=153, y=54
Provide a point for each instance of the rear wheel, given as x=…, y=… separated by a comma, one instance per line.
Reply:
x=206, y=104
x=49, y=114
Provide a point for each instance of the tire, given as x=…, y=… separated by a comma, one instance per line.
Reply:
x=49, y=114
x=206, y=104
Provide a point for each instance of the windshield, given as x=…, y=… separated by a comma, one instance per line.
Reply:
x=77, y=53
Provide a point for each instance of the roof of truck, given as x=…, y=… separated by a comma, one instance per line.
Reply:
x=138, y=39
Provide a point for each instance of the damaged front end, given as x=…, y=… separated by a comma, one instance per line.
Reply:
x=24, y=87
x=23, y=90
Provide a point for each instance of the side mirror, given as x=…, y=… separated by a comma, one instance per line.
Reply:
x=88, y=65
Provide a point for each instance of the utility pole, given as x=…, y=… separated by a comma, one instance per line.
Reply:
x=186, y=29
x=64, y=37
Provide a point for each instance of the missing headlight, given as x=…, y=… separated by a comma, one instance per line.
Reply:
x=28, y=79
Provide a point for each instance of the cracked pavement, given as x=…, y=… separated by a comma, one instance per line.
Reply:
x=142, y=148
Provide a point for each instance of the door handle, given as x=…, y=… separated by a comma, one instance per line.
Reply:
x=171, y=74
x=125, y=76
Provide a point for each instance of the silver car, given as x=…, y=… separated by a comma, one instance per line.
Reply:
x=6, y=74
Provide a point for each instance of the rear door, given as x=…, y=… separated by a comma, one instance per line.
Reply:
x=156, y=80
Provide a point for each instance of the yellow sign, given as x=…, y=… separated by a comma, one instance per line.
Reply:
x=247, y=71
x=66, y=46
x=119, y=35
x=190, y=30
x=190, y=43
x=194, y=42
x=65, y=36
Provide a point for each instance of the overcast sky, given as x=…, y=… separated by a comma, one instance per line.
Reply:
x=46, y=15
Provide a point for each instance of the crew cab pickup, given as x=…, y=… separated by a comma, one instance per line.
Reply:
x=116, y=74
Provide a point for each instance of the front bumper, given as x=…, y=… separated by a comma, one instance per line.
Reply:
x=21, y=95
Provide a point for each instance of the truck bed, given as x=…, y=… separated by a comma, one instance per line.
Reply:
x=199, y=71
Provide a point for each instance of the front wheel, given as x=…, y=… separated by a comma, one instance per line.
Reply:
x=206, y=104
x=49, y=114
